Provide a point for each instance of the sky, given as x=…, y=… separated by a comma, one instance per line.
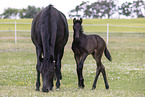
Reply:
x=63, y=5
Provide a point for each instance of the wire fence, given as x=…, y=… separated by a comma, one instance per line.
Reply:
x=18, y=30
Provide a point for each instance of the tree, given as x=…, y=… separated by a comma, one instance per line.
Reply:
x=29, y=12
x=103, y=8
x=9, y=13
x=110, y=8
x=107, y=8
x=87, y=12
x=137, y=6
x=126, y=9
x=74, y=12
x=78, y=8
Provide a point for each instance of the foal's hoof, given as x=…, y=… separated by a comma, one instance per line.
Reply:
x=57, y=89
x=107, y=86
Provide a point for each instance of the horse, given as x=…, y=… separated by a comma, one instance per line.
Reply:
x=82, y=46
x=49, y=34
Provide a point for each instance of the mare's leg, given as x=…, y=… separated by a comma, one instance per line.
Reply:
x=80, y=70
x=51, y=85
x=38, y=65
x=61, y=55
x=58, y=68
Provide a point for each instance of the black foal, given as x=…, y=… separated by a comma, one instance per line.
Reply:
x=82, y=46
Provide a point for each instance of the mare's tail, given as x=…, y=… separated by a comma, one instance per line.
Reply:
x=107, y=54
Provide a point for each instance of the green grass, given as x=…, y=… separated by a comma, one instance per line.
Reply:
x=126, y=73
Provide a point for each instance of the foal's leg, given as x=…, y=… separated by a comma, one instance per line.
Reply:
x=97, y=54
x=38, y=65
x=80, y=70
x=77, y=58
x=104, y=76
x=100, y=68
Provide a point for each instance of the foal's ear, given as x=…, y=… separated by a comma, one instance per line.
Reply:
x=74, y=20
x=81, y=20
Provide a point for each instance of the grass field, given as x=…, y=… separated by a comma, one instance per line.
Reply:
x=126, y=73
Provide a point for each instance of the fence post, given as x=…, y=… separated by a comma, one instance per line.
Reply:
x=15, y=32
x=107, y=33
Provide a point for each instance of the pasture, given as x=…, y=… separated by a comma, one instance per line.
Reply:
x=126, y=72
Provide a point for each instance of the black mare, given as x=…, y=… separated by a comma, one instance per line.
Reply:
x=49, y=34
x=82, y=46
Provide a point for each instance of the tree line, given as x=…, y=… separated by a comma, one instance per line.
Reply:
x=108, y=8
x=98, y=9
x=28, y=12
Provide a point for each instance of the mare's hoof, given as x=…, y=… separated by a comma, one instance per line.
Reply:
x=57, y=88
x=81, y=87
x=37, y=89
x=93, y=88
x=107, y=86
x=60, y=77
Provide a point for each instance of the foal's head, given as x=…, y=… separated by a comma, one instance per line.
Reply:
x=77, y=27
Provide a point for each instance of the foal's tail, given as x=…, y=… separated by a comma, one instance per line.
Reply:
x=107, y=54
